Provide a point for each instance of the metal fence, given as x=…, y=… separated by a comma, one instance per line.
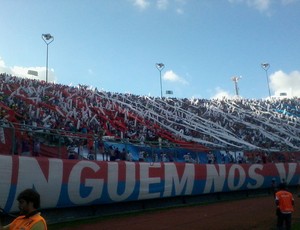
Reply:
x=27, y=140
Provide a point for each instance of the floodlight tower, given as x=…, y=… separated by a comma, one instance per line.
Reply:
x=160, y=67
x=48, y=38
x=235, y=80
x=266, y=66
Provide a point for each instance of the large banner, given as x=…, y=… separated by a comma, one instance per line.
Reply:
x=68, y=183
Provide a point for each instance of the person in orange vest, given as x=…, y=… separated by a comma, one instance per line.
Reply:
x=30, y=218
x=285, y=206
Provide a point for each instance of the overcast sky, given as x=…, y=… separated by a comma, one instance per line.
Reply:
x=114, y=45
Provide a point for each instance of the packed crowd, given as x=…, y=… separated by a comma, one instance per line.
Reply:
x=237, y=124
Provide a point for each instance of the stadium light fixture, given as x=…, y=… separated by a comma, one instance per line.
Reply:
x=160, y=67
x=266, y=66
x=33, y=72
x=48, y=38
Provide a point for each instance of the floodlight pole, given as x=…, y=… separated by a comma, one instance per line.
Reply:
x=160, y=67
x=235, y=80
x=266, y=66
x=48, y=38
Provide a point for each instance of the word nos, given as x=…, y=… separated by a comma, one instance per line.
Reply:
x=67, y=183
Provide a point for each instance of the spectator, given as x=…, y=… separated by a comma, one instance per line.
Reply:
x=285, y=206
x=210, y=158
x=30, y=218
x=129, y=156
x=112, y=154
x=36, y=147
x=123, y=155
x=141, y=156
x=212, y=124
x=25, y=147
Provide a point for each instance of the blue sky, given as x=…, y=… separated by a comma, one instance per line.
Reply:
x=114, y=44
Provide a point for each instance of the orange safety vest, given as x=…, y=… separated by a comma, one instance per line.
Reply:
x=23, y=223
x=285, y=201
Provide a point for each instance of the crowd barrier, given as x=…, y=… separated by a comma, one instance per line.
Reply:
x=65, y=183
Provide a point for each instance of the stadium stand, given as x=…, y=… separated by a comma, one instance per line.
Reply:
x=30, y=109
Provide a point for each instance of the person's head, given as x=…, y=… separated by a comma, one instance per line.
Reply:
x=282, y=186
x=29, y=200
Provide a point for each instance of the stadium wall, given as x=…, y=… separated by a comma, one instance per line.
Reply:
x=71, y=183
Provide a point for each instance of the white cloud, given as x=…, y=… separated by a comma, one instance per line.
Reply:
x=142, y=4
x=287, y=2
x=282, y=82
x=173, y=77
x=162, y=4
x=179, y=11
x=91, y=72
x=3, y=68
x=261, y=5
x=220, y=94
x=20, y=71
